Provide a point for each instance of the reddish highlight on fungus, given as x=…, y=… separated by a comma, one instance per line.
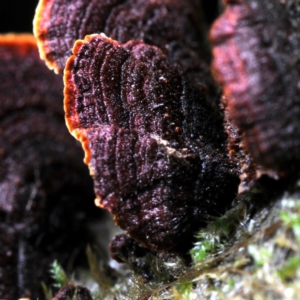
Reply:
x=42, y=177
x=59, y=23
x=256, y=49
x=154, y=145
x=27, y=43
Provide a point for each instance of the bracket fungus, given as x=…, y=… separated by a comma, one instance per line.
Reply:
x=256, y=61
x=140, y=97
x=43, y=183
x=154, y=145
x=59, y=23
x=147, y=116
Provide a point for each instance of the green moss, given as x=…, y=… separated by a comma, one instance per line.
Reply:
x=216, y=237
x=182, y=291
x=291, y=219
x=260, y=255
x=58, y=275
x=290, y=270
x=252, y=252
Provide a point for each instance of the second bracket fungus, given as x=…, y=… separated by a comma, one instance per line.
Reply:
x=155, y=146
x=59, y=23
x=256, y=60
x=44, y=185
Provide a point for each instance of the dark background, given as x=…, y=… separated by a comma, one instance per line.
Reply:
x=17, y=15
x=211, y=9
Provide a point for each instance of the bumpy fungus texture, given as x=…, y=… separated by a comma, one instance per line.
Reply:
x=256, y=60
x=154, y=145
x=176, y=26
x=43, y=183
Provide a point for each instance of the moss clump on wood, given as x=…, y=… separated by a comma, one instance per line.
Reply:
x=252, y=252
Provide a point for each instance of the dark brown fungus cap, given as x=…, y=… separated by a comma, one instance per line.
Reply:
x=256, y=60
x=41, y=174
x=176, y=26
x=154, y=146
